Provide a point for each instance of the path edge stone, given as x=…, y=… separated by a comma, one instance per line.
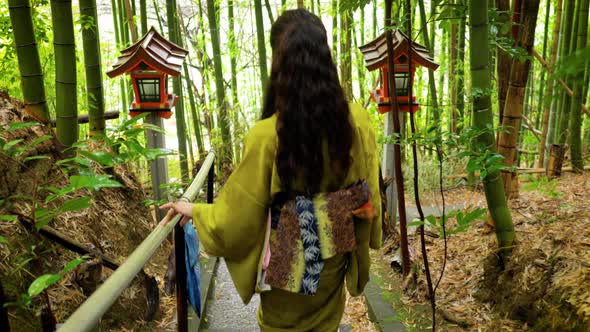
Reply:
x=208, y=270
x=380, y=312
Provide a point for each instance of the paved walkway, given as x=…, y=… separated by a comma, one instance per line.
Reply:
x=225, y=310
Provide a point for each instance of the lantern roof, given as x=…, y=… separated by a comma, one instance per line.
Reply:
x=375, y=52
x=155, y=51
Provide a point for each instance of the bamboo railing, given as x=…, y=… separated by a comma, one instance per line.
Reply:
x=89, y=313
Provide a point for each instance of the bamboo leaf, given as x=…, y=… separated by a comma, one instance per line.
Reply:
x=100, y=157
x=8, y=217
x=75, y=204
x=12, y=143
x=42, y=283
x=94, y=182
x=21, y=125
x=35, y=158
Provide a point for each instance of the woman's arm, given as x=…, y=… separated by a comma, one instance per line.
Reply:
x=230, y=226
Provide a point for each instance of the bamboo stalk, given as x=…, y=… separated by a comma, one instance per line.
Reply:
x=482, y=118
x=66, y=104
x=92, y=63
x=29, y=64
x=513, y=110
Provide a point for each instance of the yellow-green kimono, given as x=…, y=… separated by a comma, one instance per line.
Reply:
x=234, y=227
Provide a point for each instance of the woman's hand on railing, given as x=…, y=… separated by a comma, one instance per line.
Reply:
x=178, y=207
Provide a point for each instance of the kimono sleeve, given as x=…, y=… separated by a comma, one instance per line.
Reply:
x=376, y=237
x=230, y=227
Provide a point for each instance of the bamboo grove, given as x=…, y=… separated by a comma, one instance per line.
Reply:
x=518, y=69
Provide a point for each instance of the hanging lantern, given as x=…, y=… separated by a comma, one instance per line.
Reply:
x=375, y=54
x=149, y=62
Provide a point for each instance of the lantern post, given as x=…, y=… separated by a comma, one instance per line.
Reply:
x=375, y=55
x=149, y=62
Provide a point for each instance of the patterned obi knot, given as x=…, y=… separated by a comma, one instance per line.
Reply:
x=305, y=231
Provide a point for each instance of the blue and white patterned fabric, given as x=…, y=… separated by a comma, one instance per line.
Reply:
x=193, y=268
x=314, y=263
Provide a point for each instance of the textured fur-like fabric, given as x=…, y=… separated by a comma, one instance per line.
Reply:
x=304, y=227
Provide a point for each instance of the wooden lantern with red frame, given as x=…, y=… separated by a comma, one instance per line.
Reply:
x=149, y=62
x=375, y=54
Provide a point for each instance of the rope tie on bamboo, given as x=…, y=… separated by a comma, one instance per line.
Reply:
x=36, y=102
x=26, y=45
x=507, y=146
x=63, y=44
x=478, y=25
x=19, y=6
x=511, y=116
x=31, y=75
x=67, y=83
x=485, y=66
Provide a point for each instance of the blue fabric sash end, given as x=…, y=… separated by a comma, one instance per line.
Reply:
x=193, y=268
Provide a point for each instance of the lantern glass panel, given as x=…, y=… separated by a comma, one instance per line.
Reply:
x=149, y=89
x=402, y=80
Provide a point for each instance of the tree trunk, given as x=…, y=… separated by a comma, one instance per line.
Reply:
x=118, y=44
x=261, y=42
x=194, y=113
x=269, y=11
x=174, y=36
x=233, y=47
x=123, y=23
x=130, y=20
x=431, y=81
x=575, y=125
x=374, y=19
x=143, y=16
x=29, y=64
x=92, y=62
x=504, y=61
x=542, y=82
x=549, y=93
x=513, y=109
x=566, y=47
x=205, y=61
x=345, y=46
x=452, y=74
x=482, y=119
x=212, y=10
x=66, y=103
x=360, y=61
x=399, y=179
x=460, y=77
x=335, y=31
x=300, y=4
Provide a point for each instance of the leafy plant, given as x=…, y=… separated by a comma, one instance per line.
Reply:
x=545, y=186
x=464, y=219
x=45, y=281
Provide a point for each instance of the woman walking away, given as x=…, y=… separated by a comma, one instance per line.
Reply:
x=299, y=213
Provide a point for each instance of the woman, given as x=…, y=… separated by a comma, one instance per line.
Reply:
x=309, y=141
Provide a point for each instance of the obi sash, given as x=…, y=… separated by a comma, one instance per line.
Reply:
x=304, y=231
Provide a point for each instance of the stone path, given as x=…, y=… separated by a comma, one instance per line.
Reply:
x=225, y=310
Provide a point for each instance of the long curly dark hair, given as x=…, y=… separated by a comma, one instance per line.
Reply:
x=312, y=111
